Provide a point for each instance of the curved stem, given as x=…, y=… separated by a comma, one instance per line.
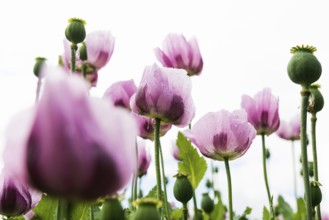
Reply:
x=164, y=184
x=229, y=184
x=74, y=48
x=156, y=156
x=269, y=196
x=195, y=206
x=305, y=93
x=315, y=158
x=294, y=168
x=37, y=92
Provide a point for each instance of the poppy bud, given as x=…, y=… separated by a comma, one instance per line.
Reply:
x=316, y=195
x=207, y=204
x=315, y=101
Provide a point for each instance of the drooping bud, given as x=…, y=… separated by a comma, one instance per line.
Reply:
x=83, y=52
x=112, y=210
x=315, y=101
x=75, y=32
x=147, y=209
x=39, y=64
x=316, y=194
x=183, y=190
x=303, y=67
x=207, y=204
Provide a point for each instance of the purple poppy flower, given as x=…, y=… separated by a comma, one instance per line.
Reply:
x=119, y=93
x=144, y=158
x=179, y=53
x=165, y=93
x=146, y=127
x=263, y=111
x=71, y=149
x=222, y=134
x=291, y=130
x=100, y=46
x=175, y=151
x=15, y=198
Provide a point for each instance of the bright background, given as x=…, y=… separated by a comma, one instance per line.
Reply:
x=245, y=47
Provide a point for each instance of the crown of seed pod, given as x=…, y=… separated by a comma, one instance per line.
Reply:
x=303, y=67
x=147, y=209
x=75, y=32
x=315, y=101
x=39, y=63
x=183, y=190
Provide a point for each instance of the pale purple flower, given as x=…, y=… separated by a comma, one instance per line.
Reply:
x=175, y=151
x=177, y=52
x=144, y=158
x=222, y=134
x=100, y=46
x=263, y=111
x=119, y=93
x=15, y=198
x=146, y=127
x=165, y=93
x=291, y=130
x=77, y=146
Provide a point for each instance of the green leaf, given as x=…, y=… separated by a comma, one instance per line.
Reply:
x=80, y=211
x=219, y=210
x=284, y=208
x=246, y=212
x=193, y=165
x=152, y=193
x=301, y=210
x=16, y=218
x=266, y=214
x=177, y=214
x=46, y=208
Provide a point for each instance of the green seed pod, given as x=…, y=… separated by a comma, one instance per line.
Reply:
x=75, y=32
x=315, y=101
x=112, y=210
x=207, y=204
x=303, y=67
x=39, y=63
x=316, y=195
x=148, y=208
x=83, y=52
x=183, y=190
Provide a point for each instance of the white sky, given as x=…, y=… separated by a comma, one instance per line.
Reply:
x=245, y=46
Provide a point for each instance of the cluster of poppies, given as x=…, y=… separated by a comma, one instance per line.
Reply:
x=74, y=146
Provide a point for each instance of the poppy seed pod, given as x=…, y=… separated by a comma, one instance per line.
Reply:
x=183, y=190
x=148, y=208
x=315, y=101
x=112, y=210
x=39, y=64
x=303, y=67
x=316, y=194
x=207, y=204
x=75, y=32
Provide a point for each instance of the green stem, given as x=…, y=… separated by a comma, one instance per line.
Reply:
x=63, y=210
x=315, y=158
x=195, y=206
x=74, y=48
x=92, y=212
x=212, y=177
x=164, y=183
x=269, y=196
x=229, y=184
x=294, y=167
x=305, y=93
x=84, y=70
x=156, y=156
x=185, y=211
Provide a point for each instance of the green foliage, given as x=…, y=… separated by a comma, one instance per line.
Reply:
x=284, y=208
x=46, y=208
x=266, y=214
x=219, y=209
x=152, y=193
x=301, y=210
x=177, y=214
x=193, y=165
x=244, y=215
